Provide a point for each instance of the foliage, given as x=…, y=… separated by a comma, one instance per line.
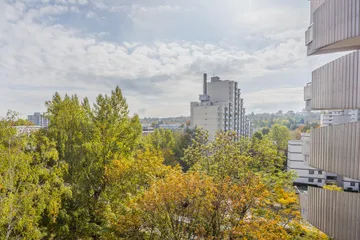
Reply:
x=192, y=204
x=333, y=188
x=162, y=140
x=170, y=143
x=31, y=183
x=89, y=139
x=127, y=179
x=290, y=119
x=182, y=142
x=280, y=135
x=90, y=175
x=310, y=126
x=226, y=194
x=258, y=135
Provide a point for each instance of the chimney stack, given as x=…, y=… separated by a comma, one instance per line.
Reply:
x=205, y=84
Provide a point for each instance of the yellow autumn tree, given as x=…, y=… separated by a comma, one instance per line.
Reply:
x=127, y=178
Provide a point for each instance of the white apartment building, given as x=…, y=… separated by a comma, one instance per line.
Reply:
x=297, y=162
x=27, y=130
x=339, y=117
x=249, y=130
x=39, y=120
x=220, y=108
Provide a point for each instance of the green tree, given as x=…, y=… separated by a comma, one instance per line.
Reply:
x=182, y=142
x=23, y=122
x=31, y=183
x=258, y=135
x=162, y=140
x=280, y=135
x=265, y=131
x=88, y=139
x=228, y=193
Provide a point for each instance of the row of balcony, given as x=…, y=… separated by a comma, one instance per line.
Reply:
x=335, y=85
x=336, y=149
x=335, y=27
x=333, y=212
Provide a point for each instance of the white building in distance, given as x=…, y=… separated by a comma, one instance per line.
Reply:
x=339, y=117
x=26, y=130
x=220, y=108
x=39, y=119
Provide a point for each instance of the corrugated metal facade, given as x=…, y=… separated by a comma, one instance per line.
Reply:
x=335, y=213
x=334, y=21
x=336, y=149
x=336, y=85
x=335, y=27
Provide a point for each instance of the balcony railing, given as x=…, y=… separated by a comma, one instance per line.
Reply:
x=334, y=213
x=309, y=35
x=335, y=26
x=336, y=149
x=336, y=85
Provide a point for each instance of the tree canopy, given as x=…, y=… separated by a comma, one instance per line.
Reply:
x=91, y=175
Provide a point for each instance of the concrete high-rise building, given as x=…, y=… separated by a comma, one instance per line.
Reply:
x=220, y=108
x=334, y=27
x=39, y=120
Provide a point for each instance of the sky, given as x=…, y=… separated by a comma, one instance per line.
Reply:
x=155, y=50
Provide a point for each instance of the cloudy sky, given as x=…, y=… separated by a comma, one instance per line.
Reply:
x=155, y=50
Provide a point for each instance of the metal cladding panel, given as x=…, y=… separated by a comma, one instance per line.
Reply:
x=336, y=149
x=335, y=213
x=307, y=92
x=333, y=21
x=336, y=85
x=335, y=26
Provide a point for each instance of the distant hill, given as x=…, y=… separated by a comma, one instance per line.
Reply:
x=291, y=119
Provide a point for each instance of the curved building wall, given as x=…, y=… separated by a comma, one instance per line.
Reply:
x=336, y=85
x=335, y=26
x=335, y=213
x=336, y=149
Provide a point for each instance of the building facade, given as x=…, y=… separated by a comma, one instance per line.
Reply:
x=335, y=27
x=39, y=119
x=298, y=161
x=147, y=130
x=26, y=130
x=220, y=108
x=339, y=117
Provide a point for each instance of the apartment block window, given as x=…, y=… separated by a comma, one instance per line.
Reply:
x=319, y=180
x=320, y=172
x=352, y=184
x=331, y=177
x=311, y=171
x=311, y=180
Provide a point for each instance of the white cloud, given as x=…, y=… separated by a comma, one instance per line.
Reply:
x=161, y=75
x=90, y=14
x=277, y=95
x=276, y=99
x=82, y=2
